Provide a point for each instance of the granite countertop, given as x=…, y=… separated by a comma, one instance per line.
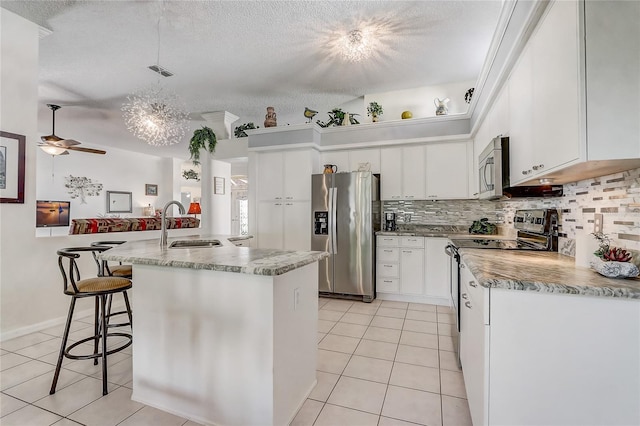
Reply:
x=227, y=258
x=544, y=272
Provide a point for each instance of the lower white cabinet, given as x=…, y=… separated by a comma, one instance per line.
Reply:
x=284, y=225
x=546, y=358
x=412, y=269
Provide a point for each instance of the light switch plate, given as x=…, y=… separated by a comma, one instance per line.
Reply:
x=597, y=223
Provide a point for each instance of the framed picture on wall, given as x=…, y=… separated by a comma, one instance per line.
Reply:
x=218, y=185
x=119, y=202
x=151, y=189
x=12, y=161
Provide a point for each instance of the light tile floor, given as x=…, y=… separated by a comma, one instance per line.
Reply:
x=384, y=363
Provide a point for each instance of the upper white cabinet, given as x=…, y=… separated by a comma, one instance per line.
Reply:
x=413, y=166
x=447, y=170
x=340, y=159
x=570, y=113
x=285, y=175
x=391, y=174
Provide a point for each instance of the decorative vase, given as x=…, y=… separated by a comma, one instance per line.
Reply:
x=270, y=118
x=347, y=120
x=612, y=269
x=374, y=118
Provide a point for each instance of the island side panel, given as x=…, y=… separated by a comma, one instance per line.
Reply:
x=295, y=296
x=203, y=344
x=558, y=359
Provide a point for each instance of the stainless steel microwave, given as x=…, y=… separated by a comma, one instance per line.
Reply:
x=493, y=175
x=492, y=169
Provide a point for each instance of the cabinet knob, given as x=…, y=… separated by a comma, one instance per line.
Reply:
x=409, y=196
x=464, y=296
x=289, y=198
x=467, y=304
x=278, y=198
x=473, y=284
x=462, y=266
x=387, y=281
x=388, y=251
x=534, y=167
x=407, y=251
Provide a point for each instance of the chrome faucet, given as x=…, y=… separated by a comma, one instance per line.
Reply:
x=163, y=229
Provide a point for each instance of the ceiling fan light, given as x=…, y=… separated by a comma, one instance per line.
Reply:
x=53, y=150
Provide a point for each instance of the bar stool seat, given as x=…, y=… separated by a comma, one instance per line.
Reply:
x=102, y=288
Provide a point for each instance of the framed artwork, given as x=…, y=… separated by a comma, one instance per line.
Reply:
x=119, y=202
x=12, y=163
x=151, y=189
x=218, y=185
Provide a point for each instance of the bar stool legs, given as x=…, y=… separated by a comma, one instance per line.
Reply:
x=65, y=337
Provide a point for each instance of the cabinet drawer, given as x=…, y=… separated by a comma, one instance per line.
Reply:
x=412, y=242
x=387, y=285
x=388, y=254
x=387, y=241
x=387, y=270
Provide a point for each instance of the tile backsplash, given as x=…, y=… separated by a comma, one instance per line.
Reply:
x=616, y=197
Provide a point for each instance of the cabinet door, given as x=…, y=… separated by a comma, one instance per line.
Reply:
x=556, y=77
x=413, y=184
x=521, y=118
x=447, y=171
x=270, y=225
x=474, y=347
x=411, y=271
x=436, y=267
x=297, y=225
x=338, y=158
x=270, y=176
x=391, y=173
x=298, y=169
x=371, y=156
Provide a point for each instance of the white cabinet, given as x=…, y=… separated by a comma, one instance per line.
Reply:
x=284, y=225
x=297, y=225
x=571, y=117
x=391, y=174
x=411, y=271
x=436, y=268
x=285, y=175
x=412, y=268
x=447, y=170
x=413, y=164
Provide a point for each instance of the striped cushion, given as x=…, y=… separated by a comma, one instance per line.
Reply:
x=91, y=285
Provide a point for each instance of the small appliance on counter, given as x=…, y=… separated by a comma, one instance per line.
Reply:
x=390, y=221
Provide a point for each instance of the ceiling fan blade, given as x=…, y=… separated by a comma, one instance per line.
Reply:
x=89, y=150
x=68, y=142
x=50, y=138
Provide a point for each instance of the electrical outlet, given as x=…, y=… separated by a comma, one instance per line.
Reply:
x=597, y=223
x=296, y=298
x=407, y=217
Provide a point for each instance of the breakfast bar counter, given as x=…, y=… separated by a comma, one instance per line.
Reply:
x=223, y=334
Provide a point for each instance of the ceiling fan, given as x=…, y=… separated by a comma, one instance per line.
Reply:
x=55, y=145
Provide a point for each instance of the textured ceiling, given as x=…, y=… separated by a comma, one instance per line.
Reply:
x=242, y=56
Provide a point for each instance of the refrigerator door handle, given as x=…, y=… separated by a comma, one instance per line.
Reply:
x=330, y=218
x=334, y=221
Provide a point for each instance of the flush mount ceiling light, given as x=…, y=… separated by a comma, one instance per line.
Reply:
x=155, y=114
x=357, y=45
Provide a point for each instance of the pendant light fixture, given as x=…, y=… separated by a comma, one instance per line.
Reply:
x=155, y=114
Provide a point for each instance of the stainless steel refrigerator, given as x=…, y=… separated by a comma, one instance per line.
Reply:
x=346, y=215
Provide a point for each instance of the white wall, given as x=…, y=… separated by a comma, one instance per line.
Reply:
x=117, y=170
x=221, y=203
x=419, y=100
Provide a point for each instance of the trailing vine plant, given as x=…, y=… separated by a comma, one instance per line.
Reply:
x=203, y=138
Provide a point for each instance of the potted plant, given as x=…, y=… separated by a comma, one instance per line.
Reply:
x=203, y=138
x=374, y=110
x=612, y=262
x=239, y=131
x=336, y=118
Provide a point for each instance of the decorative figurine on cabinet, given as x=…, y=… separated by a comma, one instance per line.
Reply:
x=270, y=118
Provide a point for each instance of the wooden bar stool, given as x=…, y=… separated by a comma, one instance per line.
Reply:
x=99, y=287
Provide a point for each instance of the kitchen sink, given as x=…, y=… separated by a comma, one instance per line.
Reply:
x=195, y=244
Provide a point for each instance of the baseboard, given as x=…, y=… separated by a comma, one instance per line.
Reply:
x=33, y=328
x=442, y=301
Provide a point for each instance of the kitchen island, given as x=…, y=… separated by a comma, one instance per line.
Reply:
x=223, y=335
